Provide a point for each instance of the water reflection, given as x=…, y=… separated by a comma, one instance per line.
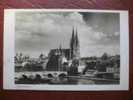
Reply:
x=67, y=81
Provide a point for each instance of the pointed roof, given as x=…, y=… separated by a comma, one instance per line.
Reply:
x=72, y=38
x=60, y=48
x=76, y=38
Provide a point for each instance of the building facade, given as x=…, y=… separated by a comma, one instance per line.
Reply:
x=60, y=57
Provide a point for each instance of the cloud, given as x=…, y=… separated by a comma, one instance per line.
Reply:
x=37, y=32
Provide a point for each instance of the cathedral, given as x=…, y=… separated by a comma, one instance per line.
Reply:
x=74, y=45
x=61, y=57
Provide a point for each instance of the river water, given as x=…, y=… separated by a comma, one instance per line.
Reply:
x=68, y=81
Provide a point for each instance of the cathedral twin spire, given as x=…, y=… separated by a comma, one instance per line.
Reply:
x=74, y=39
x=74, y=44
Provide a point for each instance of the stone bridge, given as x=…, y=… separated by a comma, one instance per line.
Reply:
x=42, y=74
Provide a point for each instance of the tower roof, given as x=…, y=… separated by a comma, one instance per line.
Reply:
x=76, y=39
x=72, y=39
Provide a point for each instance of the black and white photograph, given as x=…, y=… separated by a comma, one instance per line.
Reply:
x=66, y=49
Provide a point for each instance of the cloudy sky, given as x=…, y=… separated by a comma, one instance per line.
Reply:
x=38, y=32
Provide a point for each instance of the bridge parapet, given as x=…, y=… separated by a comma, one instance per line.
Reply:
x=42, y=74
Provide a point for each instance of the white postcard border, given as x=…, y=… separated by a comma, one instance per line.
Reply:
x=8, y=60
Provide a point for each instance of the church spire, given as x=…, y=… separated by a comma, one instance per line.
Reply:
x=72, y=39
x=76, y=39
x=72, y=44
x=60, y=49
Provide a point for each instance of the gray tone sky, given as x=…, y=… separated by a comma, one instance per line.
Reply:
x=38, y=32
